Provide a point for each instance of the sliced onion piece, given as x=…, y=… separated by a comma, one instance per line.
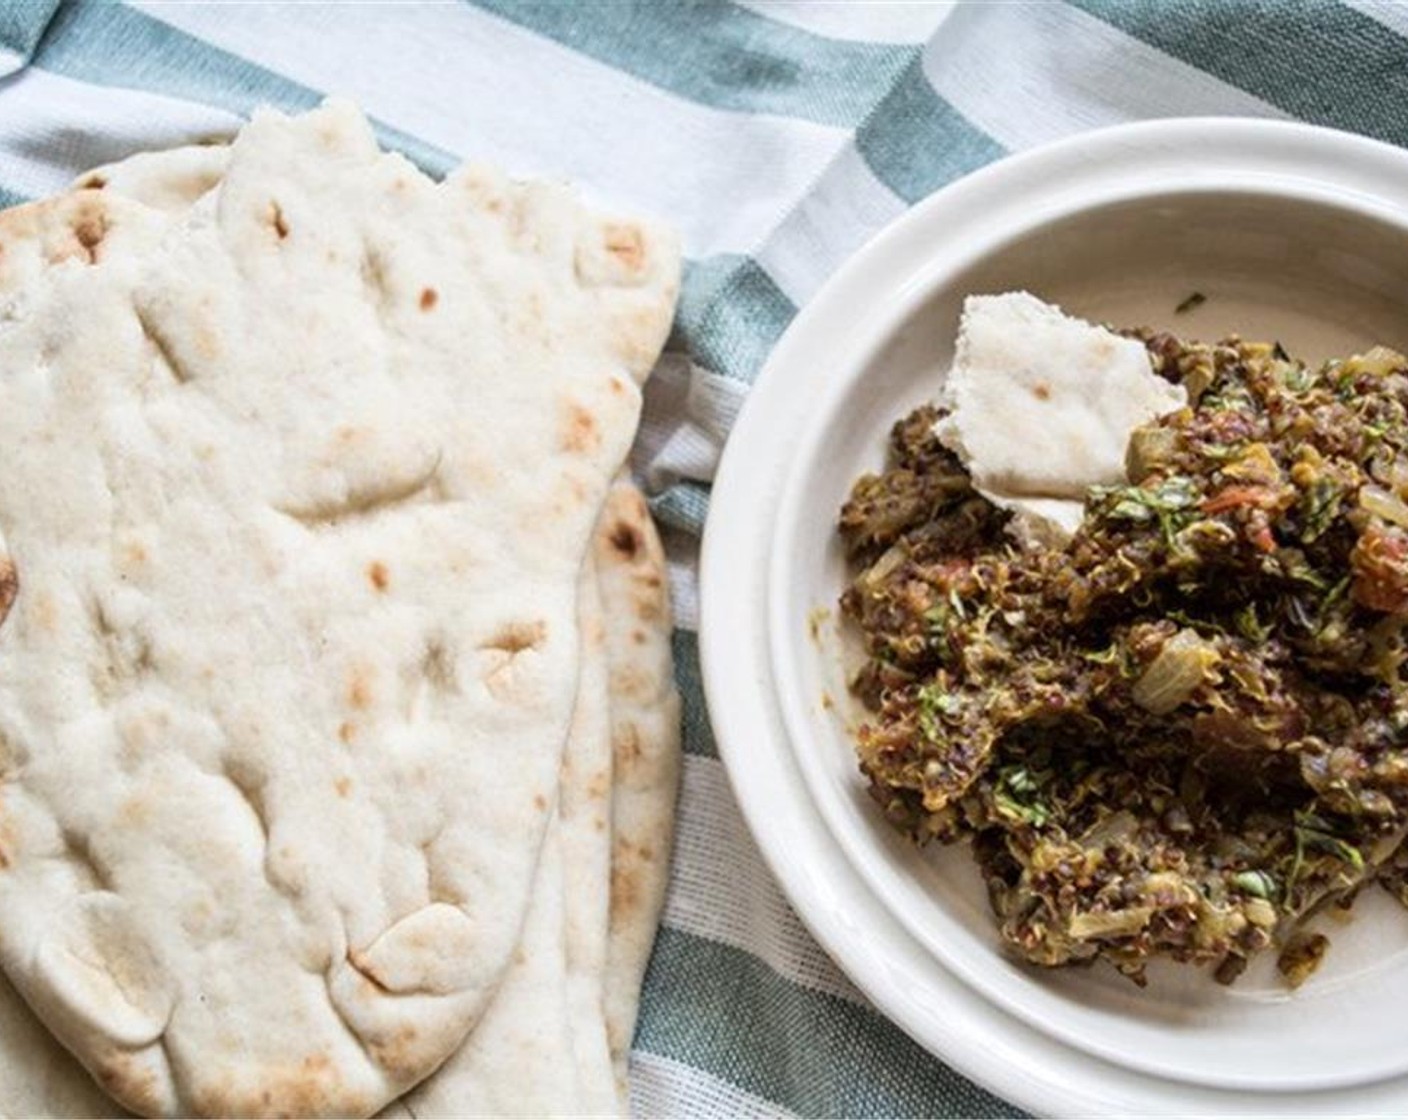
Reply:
x=1381, y=503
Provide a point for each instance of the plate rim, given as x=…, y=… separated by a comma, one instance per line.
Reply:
x=1364, y=173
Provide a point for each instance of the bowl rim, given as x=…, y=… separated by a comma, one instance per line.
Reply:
x=1025, y=1001
x=1104, y=167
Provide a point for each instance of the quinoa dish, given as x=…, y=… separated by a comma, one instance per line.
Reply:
x=1183, y=732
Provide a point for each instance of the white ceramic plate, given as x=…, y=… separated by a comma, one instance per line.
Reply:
x=1292, y=233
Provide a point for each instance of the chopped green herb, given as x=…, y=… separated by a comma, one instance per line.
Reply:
x=1258, y=884
x=1322, y=506
x=1298, y=377
x=1314, y=834
x=1249, y=625
x=1018, y=796
x=1171, y=502
x=935, y=703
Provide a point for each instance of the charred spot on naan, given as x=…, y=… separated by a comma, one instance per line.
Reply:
x=41, y=610
x=277, y=222
x=359, y=687
x=376, y=278
x=626, y=243
x=627, y=890
x=127, y=653
x=502, y=651
x=77, y=228
x=649, y=604
x=632, y=682
x=486, y=187
x=580, y=433
x=627, y=750
x=431, y=679
x=399, y=1055
x=613, y=253
x=90, y=227
x=308, y=1086
x=625, y=538
x=127, y=1078
x=518, y=636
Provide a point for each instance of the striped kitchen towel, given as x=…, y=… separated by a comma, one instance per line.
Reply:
x=778, y=137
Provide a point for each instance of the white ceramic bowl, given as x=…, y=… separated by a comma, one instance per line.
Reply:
x=1292, y=233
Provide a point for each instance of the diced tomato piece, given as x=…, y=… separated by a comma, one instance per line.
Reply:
x=1380, y=566
x=1237, y=497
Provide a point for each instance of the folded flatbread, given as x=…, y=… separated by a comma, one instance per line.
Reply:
x=584, y=816
x=39, y=1079
x=514, y=1063
x=557, y=1038
x=541, y=1049
x=645, y=745
x=295, y=516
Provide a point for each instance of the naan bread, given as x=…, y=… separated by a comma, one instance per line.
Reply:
x=584, y=814
x=518, y=1059
x=510, y=1049
x=39, y=1079
x=296, y=518
x=540, y=1049
x=1043, y=406
x=645, y=742
x=171, y=180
